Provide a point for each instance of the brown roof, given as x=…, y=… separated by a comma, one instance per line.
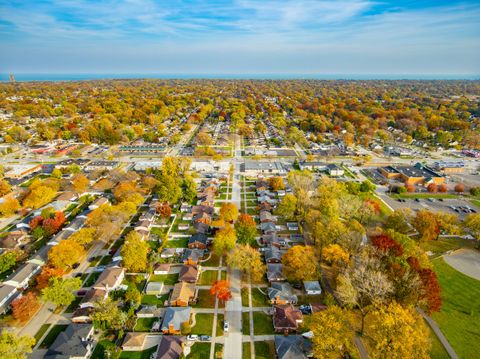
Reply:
x=108, y=277
x=162, y=267
x=286, y=317
x=183, y=291
x=171, y=347
x=134, y=340
x=188, y=273
x=94, y=295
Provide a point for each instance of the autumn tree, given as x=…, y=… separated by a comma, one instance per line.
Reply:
x=246, y=229
x=276, y=183
x=224, y=240
x=204, y=139
x=334, y=254
x=25, y=307
x=472, y=224
x=332, y=333
x=399, y=220
x=431, y=290
x=287, y=206
x=60, y=291
x=135, y=253
x=5, y=187
x=9, y=206
x=248, y=260
x=426, y=224
x=15, y=347
x=229, y=212
x=47, y=272
x=189, y=188
x=84, y=236
x=387, y=245
x=443, y=188
x=133, y=296
x=80, y=183
x=364, y=285
x=397, y=332
x=164, y=210
x=459, y=188
x=107, y=315
x=432, y=187
x=127, y=192
x=300, y=263
x=410, y=188
x=39, y=196
x=169, y=189
x=65, y=254
x=7, y=260
x=221, y=290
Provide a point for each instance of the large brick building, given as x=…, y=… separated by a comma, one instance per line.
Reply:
x=418, y=174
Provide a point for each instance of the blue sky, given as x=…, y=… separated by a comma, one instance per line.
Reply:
x=243, y=36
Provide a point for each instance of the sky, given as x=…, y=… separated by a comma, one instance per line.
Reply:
x=240, y=37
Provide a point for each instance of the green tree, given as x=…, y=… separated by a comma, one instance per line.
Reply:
x=107, y=315
x=15, y=347
x=287, y=206
x=224, y=240
x=60, y=291
x=133, y=296
x=246, y=229
x=7, y=260
x=169, y=189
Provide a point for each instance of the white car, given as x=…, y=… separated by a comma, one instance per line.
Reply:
x=225, y=326
x=192, y=337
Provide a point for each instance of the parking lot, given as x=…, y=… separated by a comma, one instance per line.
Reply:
x=436, y=205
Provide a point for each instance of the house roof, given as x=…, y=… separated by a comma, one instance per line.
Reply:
x=281, y=290
x=311, y=285
x=93, y=295
x=275, y=271
x=24, y=272
x=193, y=254
x=162, y=267
x=198, y=237
x=175, y=316
x=286, y=316
x=109, y=277
x=268, y=226
x=272, y=252
x=188, y=273
x=183, y=291
x=71, y=342
x=134, y=340
x=170, y=347
x=292, y=347
x=201, y=227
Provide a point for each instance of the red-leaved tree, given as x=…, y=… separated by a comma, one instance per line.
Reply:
x=386, y=244
x=25, y=307
x=431, y=290
x=221, y=289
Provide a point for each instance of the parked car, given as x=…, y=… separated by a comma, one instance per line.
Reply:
x=192, y=337
x=225, y=326
x=205, y=338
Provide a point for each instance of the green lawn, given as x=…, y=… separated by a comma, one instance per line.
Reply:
x=437, y=351
x=73, y=305
x=476, y=202
x=138, y=355
x=177, y=243
x=144, y=324
x=246, y=351
x=205, y=299
x=200, y=351
x=52, y=335
x=259, y=299
x=460, y=312
x=92, y=278
x=442, y=245
x=208, y=277
x=220, y=319
x=265, y=350
x=153, y=300
x=245, y=323
x=218, y=350
x=99, y=352
x=167, y=279
x=262, y=324
x=213, y=261
x=203, y=324
x=41, y=331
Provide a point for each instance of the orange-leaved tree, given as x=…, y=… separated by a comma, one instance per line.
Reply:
x=221, y=289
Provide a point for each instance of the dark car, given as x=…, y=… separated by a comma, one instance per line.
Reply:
x=297, y=285
x=76, y=265
x=205, y=338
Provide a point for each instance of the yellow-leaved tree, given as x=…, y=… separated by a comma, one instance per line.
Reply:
x=300, y=263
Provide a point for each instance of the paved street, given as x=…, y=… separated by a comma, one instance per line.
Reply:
x=233, y=310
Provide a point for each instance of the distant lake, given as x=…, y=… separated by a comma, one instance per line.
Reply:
x=84, y=77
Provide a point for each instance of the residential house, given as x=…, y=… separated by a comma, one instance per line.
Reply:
x=312, y=166
x=273, y=255
x=189, y=274
x=286, y=318
x=174, y=318
x=312, y=287
x=292, y=347
x=76, y=224
x=275, y=272
x=82, y=315
x=67, y=196
x=75, y=342
x=185, y=207
x=23, y=275
x=183, y=294
x=201, y=227
x=149, y=311
x=334, y=170
x=198, y=240
x=202, y=217
x=133, y=342
x=8, y=293
x=203, y=209
x=266, y=216
x=93, y=296
x=281, y=293
x=268, y=227
x=14, y=239
x=192, y=256
x=98, y=203
x=161, y=268
x=110, y=279
x=170, y=347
